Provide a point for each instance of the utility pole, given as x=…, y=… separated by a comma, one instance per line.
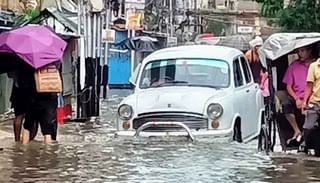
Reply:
x=89, y=98
x=105, y=69
x=171, y=18
x=196, y=11
x=79, y=59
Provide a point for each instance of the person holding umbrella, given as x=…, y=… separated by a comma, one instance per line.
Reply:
x=18, y=99
x=42, y=108
x=38, y=46
x=19, y=103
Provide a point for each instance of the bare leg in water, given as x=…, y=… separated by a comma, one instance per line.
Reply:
x=34, y=131
x=26, y=137
x=17, y=124
x=293, y=122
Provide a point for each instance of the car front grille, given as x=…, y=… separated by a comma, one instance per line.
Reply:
x=196, y=122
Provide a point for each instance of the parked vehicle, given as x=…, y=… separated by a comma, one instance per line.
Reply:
x=195, y=91
x=274, y=55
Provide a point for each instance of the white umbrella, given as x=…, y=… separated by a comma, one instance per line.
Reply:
x=280, y=44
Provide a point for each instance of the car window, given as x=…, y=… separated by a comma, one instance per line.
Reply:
x=186, y=72
x=245, y=69
x=238, y=79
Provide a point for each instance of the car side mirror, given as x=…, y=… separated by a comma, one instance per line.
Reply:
x=132, y=82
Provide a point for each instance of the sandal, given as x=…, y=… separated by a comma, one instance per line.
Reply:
x=294, y=141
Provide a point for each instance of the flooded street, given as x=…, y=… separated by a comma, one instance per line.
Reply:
x=87, y=152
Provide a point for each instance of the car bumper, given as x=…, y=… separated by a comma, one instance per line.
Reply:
x=227, y=133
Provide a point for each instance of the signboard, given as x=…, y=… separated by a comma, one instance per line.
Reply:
x=135, y=21
x=172, y=41
x=245, y=29
x=96, y=5
x=108, y=36
x=134, y=14
x=135, y=4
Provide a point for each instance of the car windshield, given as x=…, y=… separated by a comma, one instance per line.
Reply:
x=185, y=72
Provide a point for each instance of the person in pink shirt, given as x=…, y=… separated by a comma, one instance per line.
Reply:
x=264, y=83
x=295, y=79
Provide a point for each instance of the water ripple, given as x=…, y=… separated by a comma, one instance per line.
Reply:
x=88, y=153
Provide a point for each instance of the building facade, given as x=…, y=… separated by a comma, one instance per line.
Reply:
x=238, y=16
x=191, y=17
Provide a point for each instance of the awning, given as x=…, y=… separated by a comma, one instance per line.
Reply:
x=6, y=20
x=63, y=18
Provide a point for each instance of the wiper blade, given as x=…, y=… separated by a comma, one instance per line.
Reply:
x=170, y=83
x=209, y=86
x=185, y=82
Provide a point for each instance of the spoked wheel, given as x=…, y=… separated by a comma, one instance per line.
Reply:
x=317, y=152
x=263, y=140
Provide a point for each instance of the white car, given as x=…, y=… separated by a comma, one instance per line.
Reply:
x=196, y=91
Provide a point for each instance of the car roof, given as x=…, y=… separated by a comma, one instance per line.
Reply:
x=195, y=51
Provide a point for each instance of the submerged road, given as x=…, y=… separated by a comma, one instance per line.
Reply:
x=87, y=152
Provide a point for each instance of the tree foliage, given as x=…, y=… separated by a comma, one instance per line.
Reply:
x=298, y=16
x=29, y=15
x=270, y=8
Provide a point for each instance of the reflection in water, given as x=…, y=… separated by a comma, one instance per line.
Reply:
x=39, y=162
x=297, y=168
x=87, y=152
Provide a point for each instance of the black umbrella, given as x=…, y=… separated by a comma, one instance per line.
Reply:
x=139, y=43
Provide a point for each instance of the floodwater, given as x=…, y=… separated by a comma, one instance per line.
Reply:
x=88, y=152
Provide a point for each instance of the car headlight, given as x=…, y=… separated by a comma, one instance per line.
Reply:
x=214, y=111
x=125, y=112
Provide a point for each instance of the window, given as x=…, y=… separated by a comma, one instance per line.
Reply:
x=246, y=69
x=238, y=80
x=186, y=72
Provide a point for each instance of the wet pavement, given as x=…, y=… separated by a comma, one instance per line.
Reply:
x=88, y=152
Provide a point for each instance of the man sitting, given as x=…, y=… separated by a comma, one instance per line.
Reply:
x=295, y=79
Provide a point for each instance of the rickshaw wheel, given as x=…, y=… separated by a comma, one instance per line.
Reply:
x=317, y=152
x=263, y=142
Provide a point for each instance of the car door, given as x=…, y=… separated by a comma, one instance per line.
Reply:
x=251, y=91
x=241, y=96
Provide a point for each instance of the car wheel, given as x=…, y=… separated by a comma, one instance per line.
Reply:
x=237, y=132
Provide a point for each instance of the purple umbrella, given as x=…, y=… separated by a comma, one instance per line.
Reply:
x=35, y=44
